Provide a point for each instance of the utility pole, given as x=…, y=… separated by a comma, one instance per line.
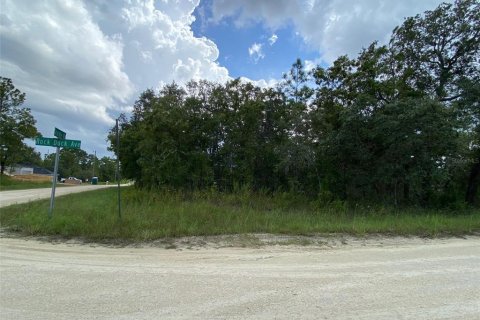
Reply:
x=94, y=161
x=118, y=172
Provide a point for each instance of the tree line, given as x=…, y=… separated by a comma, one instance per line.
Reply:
x=398, y=124
x=78, y=163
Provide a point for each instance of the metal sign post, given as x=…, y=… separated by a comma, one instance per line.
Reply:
x=54, y=183
x=59, y=142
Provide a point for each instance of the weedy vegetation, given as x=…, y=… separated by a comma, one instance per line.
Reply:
x=150, y=215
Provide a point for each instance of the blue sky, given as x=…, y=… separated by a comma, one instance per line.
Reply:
x=83, y=62
x=233, y=43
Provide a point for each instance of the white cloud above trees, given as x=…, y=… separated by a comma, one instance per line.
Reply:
x=331, y=27
x=255, y=52
x=82, y=62
x=272, y=39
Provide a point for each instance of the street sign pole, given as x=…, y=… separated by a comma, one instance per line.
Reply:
x=54, y=183
x=59, y=142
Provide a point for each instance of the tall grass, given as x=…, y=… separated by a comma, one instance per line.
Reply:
x=149, y=215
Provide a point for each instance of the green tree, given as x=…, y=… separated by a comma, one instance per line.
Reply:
x=387, y=126
x=106, y=169
x=295, y=83
x=438, y=53
x=16, y=124
x=30, y=156
x=438, y=49
x=369, y=113
x=297, y=158
x=73, y=163
x=468, y=107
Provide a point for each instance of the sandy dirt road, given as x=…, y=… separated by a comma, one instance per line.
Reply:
x=392, y=279
x=21, y=196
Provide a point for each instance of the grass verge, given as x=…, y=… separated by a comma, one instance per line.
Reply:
x=149, y=215
x=7, y=183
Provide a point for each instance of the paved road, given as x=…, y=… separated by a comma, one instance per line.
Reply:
x=411, y=279
x=21, y=196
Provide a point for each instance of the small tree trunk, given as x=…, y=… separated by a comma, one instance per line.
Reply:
x=406, y=192
x=2, y=166
x=473, y=182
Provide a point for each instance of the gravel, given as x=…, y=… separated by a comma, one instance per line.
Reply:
x=269, y=278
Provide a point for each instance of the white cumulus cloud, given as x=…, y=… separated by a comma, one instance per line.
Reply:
x=82, y=62
x=262, y=83
x=272, y=39
x=255, y=52
x=331, y=27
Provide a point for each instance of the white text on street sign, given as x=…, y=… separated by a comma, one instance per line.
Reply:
x=53, y=142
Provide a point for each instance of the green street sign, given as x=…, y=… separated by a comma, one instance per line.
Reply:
x=53, y=142
x=59, y=134
x=61, y=142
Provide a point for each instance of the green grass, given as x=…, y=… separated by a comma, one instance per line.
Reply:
x=7, y=183
x=149, y=215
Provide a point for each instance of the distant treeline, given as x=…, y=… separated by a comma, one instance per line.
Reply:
x=77, y=163
x=399, y=124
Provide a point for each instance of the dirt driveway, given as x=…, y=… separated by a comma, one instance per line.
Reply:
x=393, y=278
